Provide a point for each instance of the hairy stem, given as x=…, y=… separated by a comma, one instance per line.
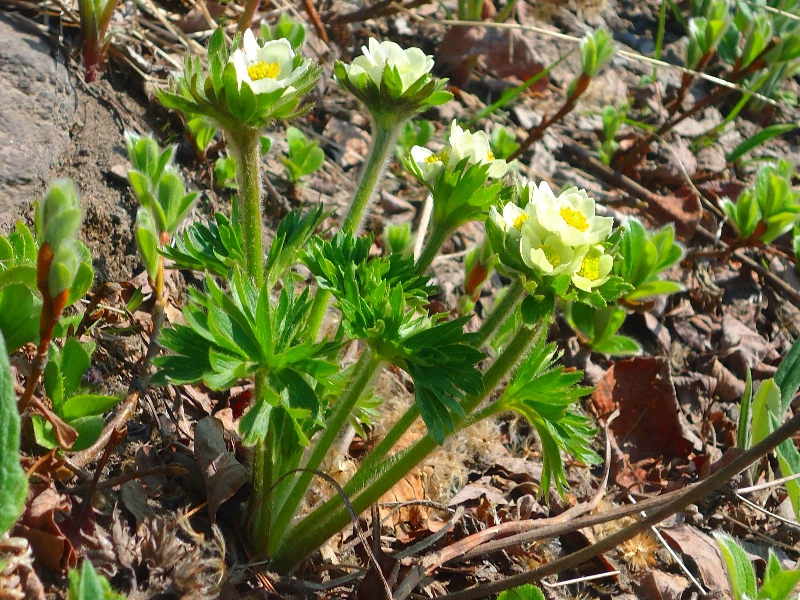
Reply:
x=439, y=235
x=501, y=311
x=245, y=147
x=364, y=370
x=329, y=518
x=383, y=141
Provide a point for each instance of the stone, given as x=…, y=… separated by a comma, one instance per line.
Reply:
x=37, y=109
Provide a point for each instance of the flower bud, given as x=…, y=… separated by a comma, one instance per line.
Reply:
x=66, y=260
x=59, y=214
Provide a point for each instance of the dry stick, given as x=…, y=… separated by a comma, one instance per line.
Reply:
x=632, y=188
x=569, y=104
x=477, y=541
x=313, y=15
x=124, y=412
x=633, y=154
x=683, y=499
x=768, y=484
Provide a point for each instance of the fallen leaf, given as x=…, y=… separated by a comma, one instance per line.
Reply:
x=135, y=500
x=650, y=424
x=703, y=551
x=681, y=208
x=505, y=53
x=658, y=585
x=223, y=474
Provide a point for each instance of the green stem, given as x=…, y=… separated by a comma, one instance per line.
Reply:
x=439, y=235
x=364, y=370
x=260, y=502
x=329, y=518
x=245, y=147
x=383, y=142
x=384, y=138
x=503, y=309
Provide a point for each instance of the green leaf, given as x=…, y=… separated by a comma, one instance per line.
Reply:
x=75, y=361
x=618, y=345
x=255, y=422
x=763, y=136
x=740, y=569
x=537, y=308
x=787, y=377
x=543, y=393
x=89, y=430
x=442, y=364
x=88, y=585
x=86, y=405
x=655, y=288
x=766, y=407
x=13, y=481
x=780, y=586
x=523, y=592
x=19, y=315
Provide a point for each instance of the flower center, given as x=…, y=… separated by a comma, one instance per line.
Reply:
x=520, y=220
x=262, y=70
x=552, y=255
x=433, y=158
x=590, y=268
x=490, y=155
x=574, y=218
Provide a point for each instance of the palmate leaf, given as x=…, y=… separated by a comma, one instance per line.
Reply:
x=546, y=395
x=231, y=335
x=377, y=295
x=214, y=247
x=442, y=366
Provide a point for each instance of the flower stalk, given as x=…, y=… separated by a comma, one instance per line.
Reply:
x=245, y=149
x=332, y=516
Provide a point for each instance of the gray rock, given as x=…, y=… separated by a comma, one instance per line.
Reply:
x=37, y=109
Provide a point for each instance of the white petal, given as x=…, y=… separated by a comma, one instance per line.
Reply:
x=251, y=46
x=498, y=168
x=240, y=63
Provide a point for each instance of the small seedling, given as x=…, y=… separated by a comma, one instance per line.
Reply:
x=63, y=382
x=95, y=15
x=413, y=133
x=613, y=118
x=88, y=584
x=778, y=583
x=768, y=209
x=503, y=142
x=303, y=157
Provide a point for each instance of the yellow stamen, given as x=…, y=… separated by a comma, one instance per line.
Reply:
x=489, y=155
x=590, y=268
x=262, y=70
x=520, y=220
x=552, y=255
x=574, y=218
x=441, y=157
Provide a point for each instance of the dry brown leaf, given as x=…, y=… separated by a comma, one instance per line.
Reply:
x=703, y=551
x=223, y=474
x=650, y=424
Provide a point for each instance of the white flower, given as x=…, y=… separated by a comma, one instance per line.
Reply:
x=475, y=147
x=572, y=217
x=513, y=218
x=267, y=68
x=411, y=63
x=550, y=255
x=594, y=269
x=428, y=163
